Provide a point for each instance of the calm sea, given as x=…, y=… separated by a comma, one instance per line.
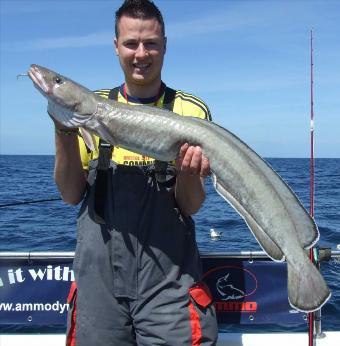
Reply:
x=51, y=225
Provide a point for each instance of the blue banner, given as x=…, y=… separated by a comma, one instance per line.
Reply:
x=35, y=293
x=245, y=292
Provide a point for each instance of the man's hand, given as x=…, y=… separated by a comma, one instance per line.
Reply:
x=192, y=167
x=191, y=161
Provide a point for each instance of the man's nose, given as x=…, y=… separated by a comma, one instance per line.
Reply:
x=141, y=50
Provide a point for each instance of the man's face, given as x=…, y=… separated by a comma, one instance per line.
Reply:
x=141, y=48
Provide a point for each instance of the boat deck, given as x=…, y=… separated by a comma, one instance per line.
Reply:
x=225, y=339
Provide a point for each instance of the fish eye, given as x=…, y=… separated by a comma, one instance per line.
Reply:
x=58, y=80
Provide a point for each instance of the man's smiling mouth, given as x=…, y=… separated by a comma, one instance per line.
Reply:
x=141, y=66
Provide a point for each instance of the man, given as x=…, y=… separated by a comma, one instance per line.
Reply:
x=137, y=265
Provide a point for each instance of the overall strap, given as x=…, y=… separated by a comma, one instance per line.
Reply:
x=165, y=174
x=101, y=184
x=105, y=149
x=169, y=99
x=113, y=94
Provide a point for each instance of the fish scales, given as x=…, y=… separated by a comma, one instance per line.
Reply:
x=141, y=127
x=239, y=176
x=307, y=239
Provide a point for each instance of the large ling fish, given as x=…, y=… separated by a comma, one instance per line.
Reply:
x=272, y=211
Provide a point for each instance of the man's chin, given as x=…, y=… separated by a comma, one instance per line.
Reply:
x=140, y=77
x=141, y=80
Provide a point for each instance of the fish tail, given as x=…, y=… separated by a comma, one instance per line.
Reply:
x=307, y=290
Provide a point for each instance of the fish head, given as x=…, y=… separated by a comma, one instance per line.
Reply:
x=69, y=102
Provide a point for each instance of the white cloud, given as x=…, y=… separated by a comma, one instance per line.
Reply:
x=94, y=39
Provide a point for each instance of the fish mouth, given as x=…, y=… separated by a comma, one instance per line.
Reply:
x=37, y=78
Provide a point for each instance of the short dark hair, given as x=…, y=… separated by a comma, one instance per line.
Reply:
x=143, y=9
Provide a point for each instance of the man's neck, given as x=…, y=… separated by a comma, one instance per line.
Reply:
x=142, y=91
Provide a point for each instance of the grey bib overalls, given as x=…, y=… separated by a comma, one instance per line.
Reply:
x=137, y=265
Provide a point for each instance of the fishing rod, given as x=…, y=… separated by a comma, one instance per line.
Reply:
x=29, y=202
x=312, y=315
x=312, y=164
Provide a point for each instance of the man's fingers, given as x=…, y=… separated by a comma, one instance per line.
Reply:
x=186, y=161
x=196, y=160
x=191, y=161
x=183, y=149
x=181, y=154
x=205, y=167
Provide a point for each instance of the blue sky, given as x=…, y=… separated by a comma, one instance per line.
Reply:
x=249, y=60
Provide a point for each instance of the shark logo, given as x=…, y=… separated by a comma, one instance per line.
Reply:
x=227, y=290
x=231, y=283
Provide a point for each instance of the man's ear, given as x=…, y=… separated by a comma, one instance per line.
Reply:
x=115, y=42
x=165, y=42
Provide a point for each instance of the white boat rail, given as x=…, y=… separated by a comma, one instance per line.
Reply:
x=34, y=255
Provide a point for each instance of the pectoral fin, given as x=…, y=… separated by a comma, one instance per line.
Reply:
x=89, y=139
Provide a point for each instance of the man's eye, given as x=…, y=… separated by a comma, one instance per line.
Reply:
x=151, y=45
x=131, y=44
